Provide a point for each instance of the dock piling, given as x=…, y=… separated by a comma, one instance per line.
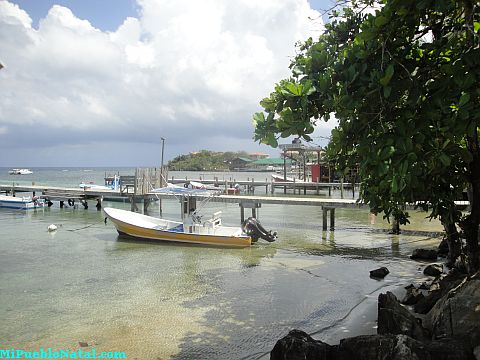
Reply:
x=325, y=211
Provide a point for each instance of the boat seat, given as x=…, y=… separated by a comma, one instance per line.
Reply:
x=215, y=221
x=178, y=228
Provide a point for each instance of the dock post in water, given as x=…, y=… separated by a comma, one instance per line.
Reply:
x=341, y=187
x=325, y=211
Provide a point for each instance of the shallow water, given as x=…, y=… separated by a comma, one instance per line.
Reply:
x=84, y=283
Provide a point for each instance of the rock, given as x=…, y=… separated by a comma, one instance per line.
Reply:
x=448, y=349
x=424, y=286
x=433, y=270
x=425, y=304
x=83, y=344
x=299, y=345
x=424, y=254
x=379, y=273
x=375, y=347
x=457, y=313
x=438, y=288
x=394, y=319
x=412, y=296
x=399, y=347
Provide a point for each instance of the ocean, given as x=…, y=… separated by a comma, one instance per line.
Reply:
x=85, y=286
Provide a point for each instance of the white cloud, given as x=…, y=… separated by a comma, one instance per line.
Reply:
x=12, y=14
x=184, y=69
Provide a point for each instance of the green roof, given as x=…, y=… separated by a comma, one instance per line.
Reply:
x=244, y=159
x=269, y=161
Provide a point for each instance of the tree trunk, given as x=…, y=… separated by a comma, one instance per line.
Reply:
x=453, y=241
x=472, y=221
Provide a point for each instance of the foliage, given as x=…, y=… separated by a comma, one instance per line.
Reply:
x=204, y=160
x=403, y=84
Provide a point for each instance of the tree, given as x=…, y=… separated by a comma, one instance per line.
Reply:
x=403, y=84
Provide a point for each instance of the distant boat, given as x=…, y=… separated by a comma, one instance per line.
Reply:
x=20, y=203
x=280, y=178
x=110, y=184
x=20, y=172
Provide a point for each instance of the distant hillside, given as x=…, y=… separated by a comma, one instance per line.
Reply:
x=204, y=160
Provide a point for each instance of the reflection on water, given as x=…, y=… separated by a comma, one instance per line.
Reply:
x=169, y=301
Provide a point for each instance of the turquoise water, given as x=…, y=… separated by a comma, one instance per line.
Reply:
x=84, y=283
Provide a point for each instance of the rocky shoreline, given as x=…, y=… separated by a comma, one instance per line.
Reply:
x=440, y=320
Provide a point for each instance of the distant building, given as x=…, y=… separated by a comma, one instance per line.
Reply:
x=257, y=155
x=269, y=164
x=240, y=163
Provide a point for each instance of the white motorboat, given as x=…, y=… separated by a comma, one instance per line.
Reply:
x=20, y=172
x=192, y=229
x=20, y=202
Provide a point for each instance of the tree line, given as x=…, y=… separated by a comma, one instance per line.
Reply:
x=401, y=78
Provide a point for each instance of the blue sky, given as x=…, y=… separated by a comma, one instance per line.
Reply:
x=98, y=83
x=106, y=15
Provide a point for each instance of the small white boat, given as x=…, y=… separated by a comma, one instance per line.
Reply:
x=280, y=178
x=20, y=172
x=110, y=184
x=210, y=232
x=20, y=203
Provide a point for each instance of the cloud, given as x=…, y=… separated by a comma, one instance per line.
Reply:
x=190, y=71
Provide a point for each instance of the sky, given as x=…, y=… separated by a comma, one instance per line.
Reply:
x=99, y=83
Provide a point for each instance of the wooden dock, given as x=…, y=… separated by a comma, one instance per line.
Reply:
x=71, y=195
x=139, y=188
x=297, y=186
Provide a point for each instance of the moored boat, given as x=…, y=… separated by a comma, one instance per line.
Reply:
x=20, y=172
x=210, y=232
x=20, y=203
x=192, y=229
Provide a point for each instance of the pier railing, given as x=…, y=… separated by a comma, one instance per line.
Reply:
x=147, y=179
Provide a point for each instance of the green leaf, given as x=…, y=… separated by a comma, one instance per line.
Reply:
x=380, y=20
x=444, y=159
x=394, y=186
x=388, y=75
x=386, y=91
x=465, y=98
x=476, y=26
x=258, y=117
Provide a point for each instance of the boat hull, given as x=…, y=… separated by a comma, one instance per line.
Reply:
x=126, y=227
x=11, y=202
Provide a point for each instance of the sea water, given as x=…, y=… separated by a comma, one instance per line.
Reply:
x=85, y=285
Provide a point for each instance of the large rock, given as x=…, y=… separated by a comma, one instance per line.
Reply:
x=424, y=254
x=399, y=347
x=438, y=288
x=412, y=296
x=379, y=273
x=433, y=270
x=395, y=319
x=298, y=345
x=457, y=313
x=425, y=304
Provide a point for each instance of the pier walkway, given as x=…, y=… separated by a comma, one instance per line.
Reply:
x=62, y=194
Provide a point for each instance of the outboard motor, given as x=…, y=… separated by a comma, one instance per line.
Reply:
x=255, y=230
